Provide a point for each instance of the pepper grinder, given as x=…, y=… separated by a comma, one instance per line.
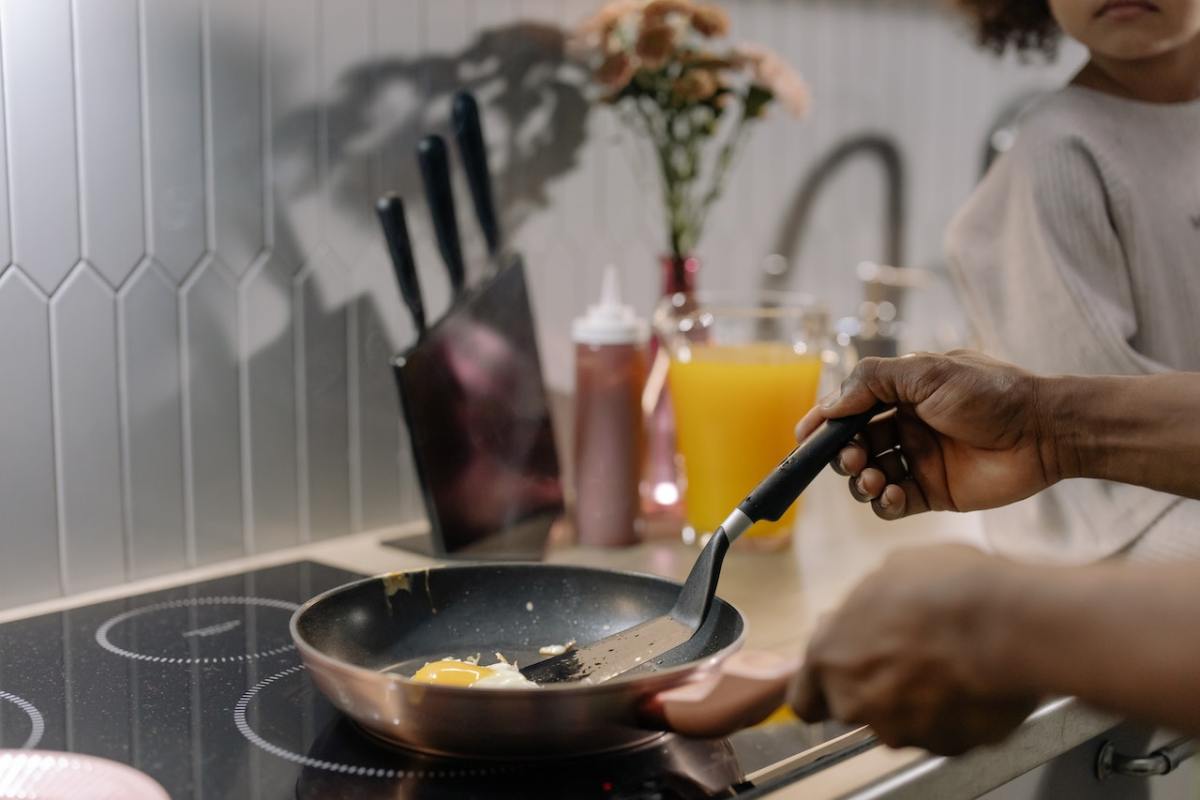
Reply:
x=610, y=372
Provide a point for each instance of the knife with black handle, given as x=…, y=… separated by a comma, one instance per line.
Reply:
x=468, y=133
x=435, y=175
x=390, y=209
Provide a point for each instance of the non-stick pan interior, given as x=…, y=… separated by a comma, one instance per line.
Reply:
x=400, y=621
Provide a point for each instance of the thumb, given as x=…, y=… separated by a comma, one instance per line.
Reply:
x=869, y=383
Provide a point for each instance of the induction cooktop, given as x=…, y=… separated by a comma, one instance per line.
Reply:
x=200, y=687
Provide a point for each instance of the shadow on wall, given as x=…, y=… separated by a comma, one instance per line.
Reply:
x=333, y=156
x=535, y=118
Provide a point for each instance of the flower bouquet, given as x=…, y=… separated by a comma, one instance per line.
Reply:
x=661, y=63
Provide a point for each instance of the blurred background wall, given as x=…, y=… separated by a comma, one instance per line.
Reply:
x=196, y=313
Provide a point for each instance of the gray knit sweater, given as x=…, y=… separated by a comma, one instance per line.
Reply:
x=1080, y=253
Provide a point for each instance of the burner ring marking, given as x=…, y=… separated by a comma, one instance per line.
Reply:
x=36, y=722
x=243, y=726
x=191, y=602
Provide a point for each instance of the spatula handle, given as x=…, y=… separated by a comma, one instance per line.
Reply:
x=771, y=498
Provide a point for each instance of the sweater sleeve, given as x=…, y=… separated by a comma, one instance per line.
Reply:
x=1046, y=284
x=1040, y=266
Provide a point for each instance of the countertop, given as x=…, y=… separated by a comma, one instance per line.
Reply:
x=782, y=595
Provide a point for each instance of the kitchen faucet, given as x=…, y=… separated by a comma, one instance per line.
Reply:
x=877, y=292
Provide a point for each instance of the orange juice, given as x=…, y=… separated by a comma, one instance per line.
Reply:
x=736, y=407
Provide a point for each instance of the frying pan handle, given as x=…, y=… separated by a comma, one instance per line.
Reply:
x=743, y=690
x=780, y=489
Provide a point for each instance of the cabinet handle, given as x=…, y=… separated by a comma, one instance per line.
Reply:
x=1163, y=760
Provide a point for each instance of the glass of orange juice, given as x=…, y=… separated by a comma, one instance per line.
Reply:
x=743, y=370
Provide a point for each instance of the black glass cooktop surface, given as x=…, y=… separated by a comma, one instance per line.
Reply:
x=199, y=686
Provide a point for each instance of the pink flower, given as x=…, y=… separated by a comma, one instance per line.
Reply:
x=657, y=11
x=710, y=20
x=655, y=45
x=607, y=18
x=696, y=85
x=616, y=71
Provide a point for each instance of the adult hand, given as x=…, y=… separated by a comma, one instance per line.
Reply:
x=914, y=654
x=966, y=434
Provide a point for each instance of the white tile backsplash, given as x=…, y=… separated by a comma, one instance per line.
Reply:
x=196, y=313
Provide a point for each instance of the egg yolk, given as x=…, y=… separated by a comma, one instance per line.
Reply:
x=452, y=673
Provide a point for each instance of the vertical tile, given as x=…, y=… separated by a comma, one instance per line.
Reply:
x=29, y=569
x=110, y=125
x=41, y=137
x=400, y=41
x=347, y=78
x=270, y=373
x=632, y=208
x=92, y=526
x=235, y=75
x=152, y=422
x=5, y=238
x=378, y=408
x=174, y=103
x=211, y=385
x=325, y=454
x=293, y=79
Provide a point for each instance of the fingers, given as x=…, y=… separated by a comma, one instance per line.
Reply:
x=879, y=436
x=889, y=501
x=806, y=698
x=892, y=503
x=851, y=461
x=809, y=423
x=892, y=465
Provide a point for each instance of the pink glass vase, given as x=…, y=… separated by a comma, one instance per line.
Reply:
x=661, y=490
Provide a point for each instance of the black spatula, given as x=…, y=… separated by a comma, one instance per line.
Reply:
x=640, y=646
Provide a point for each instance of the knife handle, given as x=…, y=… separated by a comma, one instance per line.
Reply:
x=771, y=498
x=468, y=132
x=435, y=175
x=390, y=209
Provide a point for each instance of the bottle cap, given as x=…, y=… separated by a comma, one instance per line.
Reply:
x=610, y=321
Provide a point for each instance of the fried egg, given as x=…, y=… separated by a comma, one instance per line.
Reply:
x=455, y=672
x=556, y=649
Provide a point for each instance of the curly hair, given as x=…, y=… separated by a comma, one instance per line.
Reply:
x=1026, y=25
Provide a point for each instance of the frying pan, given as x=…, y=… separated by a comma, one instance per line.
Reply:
x=361, y=641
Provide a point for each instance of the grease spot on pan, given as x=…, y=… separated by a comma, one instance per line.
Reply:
x=396, y=582
x=429, y=592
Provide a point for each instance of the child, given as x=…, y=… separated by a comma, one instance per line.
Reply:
x=1080, y=250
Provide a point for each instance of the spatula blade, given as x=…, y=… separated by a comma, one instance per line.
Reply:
x=613, y=655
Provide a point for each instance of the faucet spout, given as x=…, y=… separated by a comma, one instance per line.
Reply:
x=795, y=220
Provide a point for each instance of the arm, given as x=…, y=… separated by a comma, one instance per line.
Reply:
x=947, y=648
x=1141, y=430
x=1125, y=637
x=977, y=433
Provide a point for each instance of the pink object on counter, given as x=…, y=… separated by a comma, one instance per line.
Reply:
x=662, y=492
x=49, y=774
x=743, y=690
x=610, y=372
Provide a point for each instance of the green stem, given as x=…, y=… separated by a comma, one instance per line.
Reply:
x=679, y=154
x=724, y=161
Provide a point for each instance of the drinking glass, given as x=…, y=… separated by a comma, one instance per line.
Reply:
x=744, y=368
